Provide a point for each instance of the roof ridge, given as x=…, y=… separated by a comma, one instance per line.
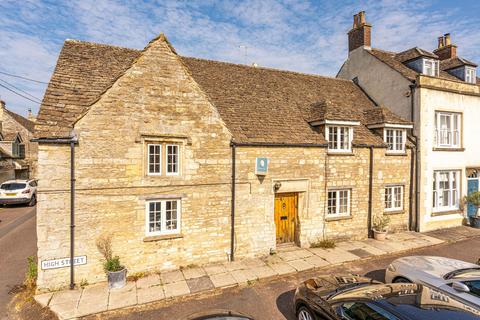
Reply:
x=269, y=68
x=100, y=44
x=14, y=114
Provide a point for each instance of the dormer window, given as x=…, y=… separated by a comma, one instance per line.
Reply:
x=395, y=140
x=339, y=138
x=431, y=67
x=470, y=75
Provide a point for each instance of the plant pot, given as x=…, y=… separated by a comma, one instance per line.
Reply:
x=117, y=279
x=379, y=235
x=475, y=222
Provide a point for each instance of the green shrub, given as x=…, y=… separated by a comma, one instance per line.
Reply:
x=324, y=244
x=473, y=198
x=112, y=265
x=32, y=272
x=104, y=246
x=380, y=223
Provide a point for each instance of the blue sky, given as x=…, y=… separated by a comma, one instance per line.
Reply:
x=305, y=36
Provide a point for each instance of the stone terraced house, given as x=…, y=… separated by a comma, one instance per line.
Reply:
x=163, y=143
x=439, y=92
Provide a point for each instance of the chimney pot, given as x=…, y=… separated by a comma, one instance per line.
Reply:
x=2, y=103
x=447, y=39
x=440, y=42
x=362, y=17
x=355, y=23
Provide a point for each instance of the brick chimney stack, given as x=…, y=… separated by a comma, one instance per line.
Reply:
x=361, y=33
x=445, y=50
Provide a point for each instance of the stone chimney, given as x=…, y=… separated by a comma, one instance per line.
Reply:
x=446, y=49
x=361, y=33
x=2, y=104
x=30, y=115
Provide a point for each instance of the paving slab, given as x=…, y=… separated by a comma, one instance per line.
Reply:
x=316, y=261
x=382, y=245
x=334, y=256
x=223, y=280
x=213, y=269
x=150, y=294
x=272, y=259
x=243, y=276
x=371, y=248
x=94, y=299
x=192, y=273
x=44, y=298
x=234, y=265
x=65, y=296
x=123, y=297
x=432, y=240
x=300, y=265
x=283, y=268
x=253, y=263
x=171, y=276
x=264, y=272
x=176, y=289
x=200, y=284
x=65, y=310
x=288, y=255
x=303, y=253
x=148, y=281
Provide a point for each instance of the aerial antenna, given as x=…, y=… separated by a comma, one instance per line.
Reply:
x=245, y=51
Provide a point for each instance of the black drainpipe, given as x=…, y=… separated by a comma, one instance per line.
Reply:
x=411, y=223
x=72, y=212
x=232, y=226
x=417, y=158
x=370, y=194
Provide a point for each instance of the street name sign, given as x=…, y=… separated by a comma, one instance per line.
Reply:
x=63, y=262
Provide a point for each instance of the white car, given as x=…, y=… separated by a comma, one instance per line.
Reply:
x=459, y=278
x=18, y=191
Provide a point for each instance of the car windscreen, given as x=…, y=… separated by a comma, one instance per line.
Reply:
x=13, y=186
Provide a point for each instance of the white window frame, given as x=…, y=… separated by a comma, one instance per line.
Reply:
x=394, y=190
x=450, y=134
x=338, y=144
x=337, y=203
x=453, y=193
x=159, y=159
x=396, y=147
x=166, y=159
x=470, y=75
x=163, y=214
x=434, y=66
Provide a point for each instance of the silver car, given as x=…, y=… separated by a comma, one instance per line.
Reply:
x=459, y=278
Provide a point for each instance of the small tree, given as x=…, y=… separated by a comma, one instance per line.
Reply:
x=104, y=246
x=380, y=223
x=474, y=199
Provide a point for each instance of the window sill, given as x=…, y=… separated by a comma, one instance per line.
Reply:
x=401, y=154
x=163, y=237
x=394, y=212
x=446, y=213
x=449, y=149
x=339, y=218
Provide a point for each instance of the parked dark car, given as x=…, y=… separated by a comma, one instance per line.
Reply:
x=359, y=298
x=219, y=315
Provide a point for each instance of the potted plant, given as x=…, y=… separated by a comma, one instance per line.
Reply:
x=116, y=273
x=380, y=227
x=474, y=199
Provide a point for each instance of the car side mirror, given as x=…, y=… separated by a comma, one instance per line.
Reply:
x=460, y=287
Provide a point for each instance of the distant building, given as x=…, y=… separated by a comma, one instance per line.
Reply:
x=18, y=154
x=440, y=93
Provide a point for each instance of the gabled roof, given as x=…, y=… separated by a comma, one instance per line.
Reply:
x=414, y=53
x=27, y=124
x=392, y=60
x=11, y=136
x=383, y=115
x=456, y=62
x=258, y=105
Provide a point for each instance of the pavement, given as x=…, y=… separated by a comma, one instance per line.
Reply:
x=18, y=231
x=215, y=278
x=272, y=299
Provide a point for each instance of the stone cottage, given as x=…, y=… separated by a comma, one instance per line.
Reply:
x=19, y=154
x=189, y=161
x=440, y=93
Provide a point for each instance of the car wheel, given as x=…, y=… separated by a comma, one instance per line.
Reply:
x=33, y=201
x=304, y=314
x=401, y=280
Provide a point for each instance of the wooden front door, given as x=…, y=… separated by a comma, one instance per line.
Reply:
x=285, y=216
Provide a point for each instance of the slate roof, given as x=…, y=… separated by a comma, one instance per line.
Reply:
x=380, y=115
x=392, y=59
x=29, y=125
x=258, y=105
x=455, y=63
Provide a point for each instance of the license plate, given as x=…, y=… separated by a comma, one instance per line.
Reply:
x=11, y=194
